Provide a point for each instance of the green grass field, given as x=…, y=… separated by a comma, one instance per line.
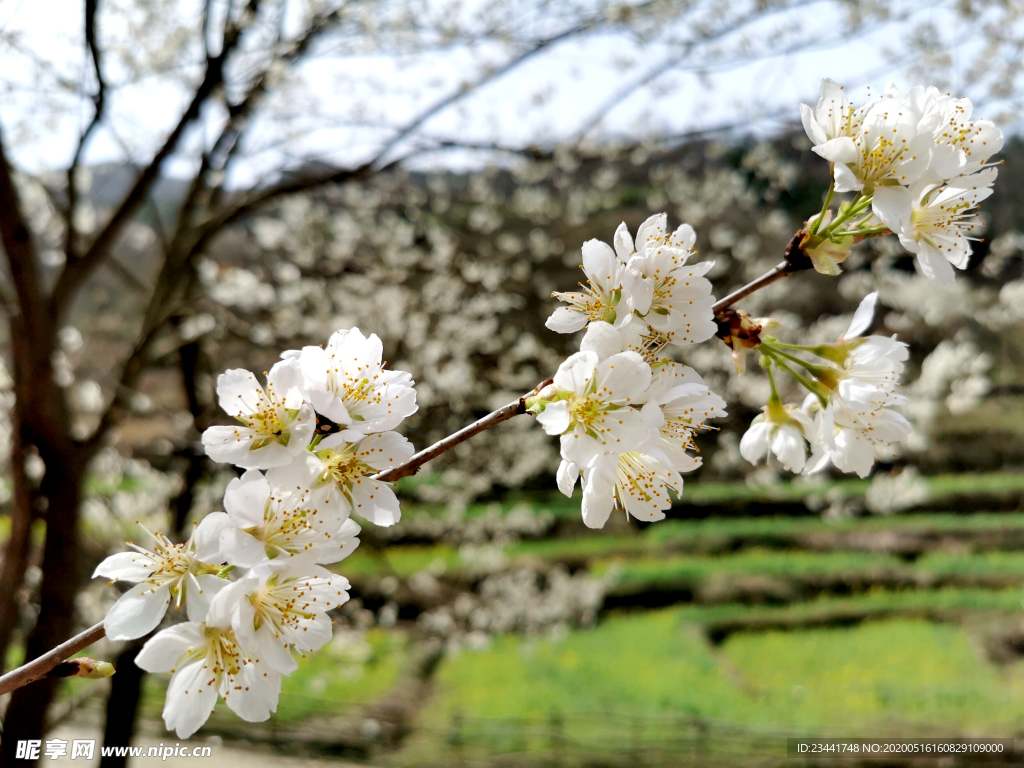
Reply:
x=904, y=650
x=650, y=678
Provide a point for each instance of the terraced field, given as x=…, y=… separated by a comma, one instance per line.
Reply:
x=712, y=637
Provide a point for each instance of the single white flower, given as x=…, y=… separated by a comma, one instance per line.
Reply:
x=783, y=433
x=678, y=406
x=681, y=300
x=853, y=436
x=612, y=291
x=167, y=571
x=593, y=413
x=876, y=143
x=857, y=424
x=871, y=371
x=961, y=146
x=339, y=475
x=833, y=117
x=206, y=661
x=279, y=606
x=633, y=481
x=935, y=221
x=276, y=424
x=346, y=381
x=264, y=523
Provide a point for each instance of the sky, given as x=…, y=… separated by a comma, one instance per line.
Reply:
x=344, y=104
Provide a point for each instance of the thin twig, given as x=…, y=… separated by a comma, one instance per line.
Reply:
x=441, y=446
x=796, y=261
x=99, y=104
x=38, y=667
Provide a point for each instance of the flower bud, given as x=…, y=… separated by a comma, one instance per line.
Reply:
x=91, y=669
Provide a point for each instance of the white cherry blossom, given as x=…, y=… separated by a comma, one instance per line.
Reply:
x=634, y=481
x=935, y=221
x=878, y=142
x=852, y=436
x=833, y=117
x=681, y=300
x=206, y=662
x=265, y=523
x=168, y=571
x=678, y=406
x=592, y=411
x=612, y=291
x=275, y=424
x=339, y=475
x=347, y=382
x=961, y=146
x=276, y=607
x=783, y=434
x=857, y=424
x=871, y=371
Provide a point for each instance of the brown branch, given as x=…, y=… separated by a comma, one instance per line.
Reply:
x=227, y=144
x=38, y=667
x=130, y=372
x=795, y=261
x=412, y=466
x=22, y=258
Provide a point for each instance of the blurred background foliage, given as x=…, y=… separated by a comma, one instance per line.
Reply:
x=489, y=626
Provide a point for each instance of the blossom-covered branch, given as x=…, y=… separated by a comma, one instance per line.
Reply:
x=41, y=666
x=318, y=438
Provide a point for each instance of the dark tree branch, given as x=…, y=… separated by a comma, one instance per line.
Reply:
x=99, y=103
x=488, y=77
x=22, y=259
x=218, y=159
x=78, y=270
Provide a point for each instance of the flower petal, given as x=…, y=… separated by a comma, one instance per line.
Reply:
x=565, y=320
x=125, y=566
x=246, y=497
x=137, y=612
x=934, y=266
x=163, y=650
x=190, y=699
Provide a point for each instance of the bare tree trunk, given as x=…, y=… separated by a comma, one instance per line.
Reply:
x=16, y=555
x=61, y=488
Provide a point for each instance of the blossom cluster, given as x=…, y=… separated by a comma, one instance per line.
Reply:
x=253, y=578
x=918, y=165
x=847, y=418
x=626, y=416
